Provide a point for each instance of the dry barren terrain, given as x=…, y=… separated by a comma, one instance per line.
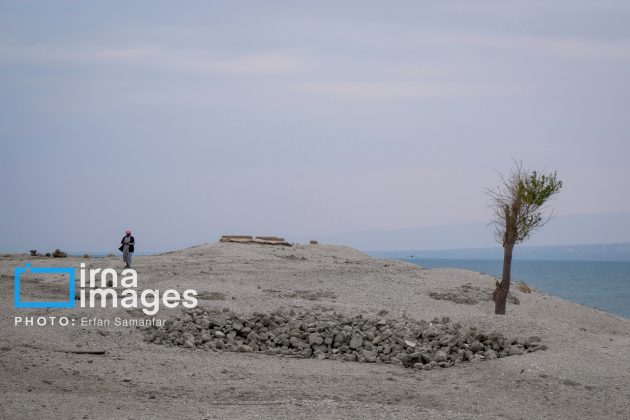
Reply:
x=110, y=371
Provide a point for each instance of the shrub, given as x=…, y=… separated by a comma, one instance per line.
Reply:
x=59, y=254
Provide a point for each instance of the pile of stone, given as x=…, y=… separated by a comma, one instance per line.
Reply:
x=410, y=343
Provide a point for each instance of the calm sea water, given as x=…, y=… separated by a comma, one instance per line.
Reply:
x=603, y=285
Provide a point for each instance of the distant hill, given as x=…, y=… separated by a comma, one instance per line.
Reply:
x=591, y=252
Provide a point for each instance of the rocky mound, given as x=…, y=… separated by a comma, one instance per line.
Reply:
x=411, y=343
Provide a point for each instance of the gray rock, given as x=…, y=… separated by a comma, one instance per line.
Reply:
x=322, y=348
x=490, y=354
x=536, y=346
x=431, y=333
x=440, y=356
x=426, y=358
x=356, y=341
x=476, y=347
x=339, y=339
x=315, y=338
x=350, y=357
x=370, y=356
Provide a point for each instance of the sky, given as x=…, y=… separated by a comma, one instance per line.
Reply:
x=187, y=120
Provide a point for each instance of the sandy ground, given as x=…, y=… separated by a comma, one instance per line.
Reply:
x=585, y=373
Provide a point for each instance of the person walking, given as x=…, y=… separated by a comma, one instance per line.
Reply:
x=127, y=247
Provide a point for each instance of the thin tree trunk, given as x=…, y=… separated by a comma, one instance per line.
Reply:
x=504, y=287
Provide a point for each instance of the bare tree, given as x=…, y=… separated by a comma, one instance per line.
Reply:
x=519, y=207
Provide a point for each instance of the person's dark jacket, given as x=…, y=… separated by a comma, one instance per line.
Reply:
x=131, y=242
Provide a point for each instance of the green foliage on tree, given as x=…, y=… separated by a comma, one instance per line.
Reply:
x=519, y=209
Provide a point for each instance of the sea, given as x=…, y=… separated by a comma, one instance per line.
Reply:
x=604, y=285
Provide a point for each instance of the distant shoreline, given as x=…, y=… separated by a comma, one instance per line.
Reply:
x=582, y=252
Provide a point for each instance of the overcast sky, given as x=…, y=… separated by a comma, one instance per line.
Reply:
x=186, y=120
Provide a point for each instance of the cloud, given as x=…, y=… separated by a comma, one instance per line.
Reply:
x=409, y=90
x=271, y=62
x=578, y=48
x=117, y=54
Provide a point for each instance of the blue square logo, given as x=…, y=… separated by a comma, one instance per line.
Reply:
x=17, y=298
